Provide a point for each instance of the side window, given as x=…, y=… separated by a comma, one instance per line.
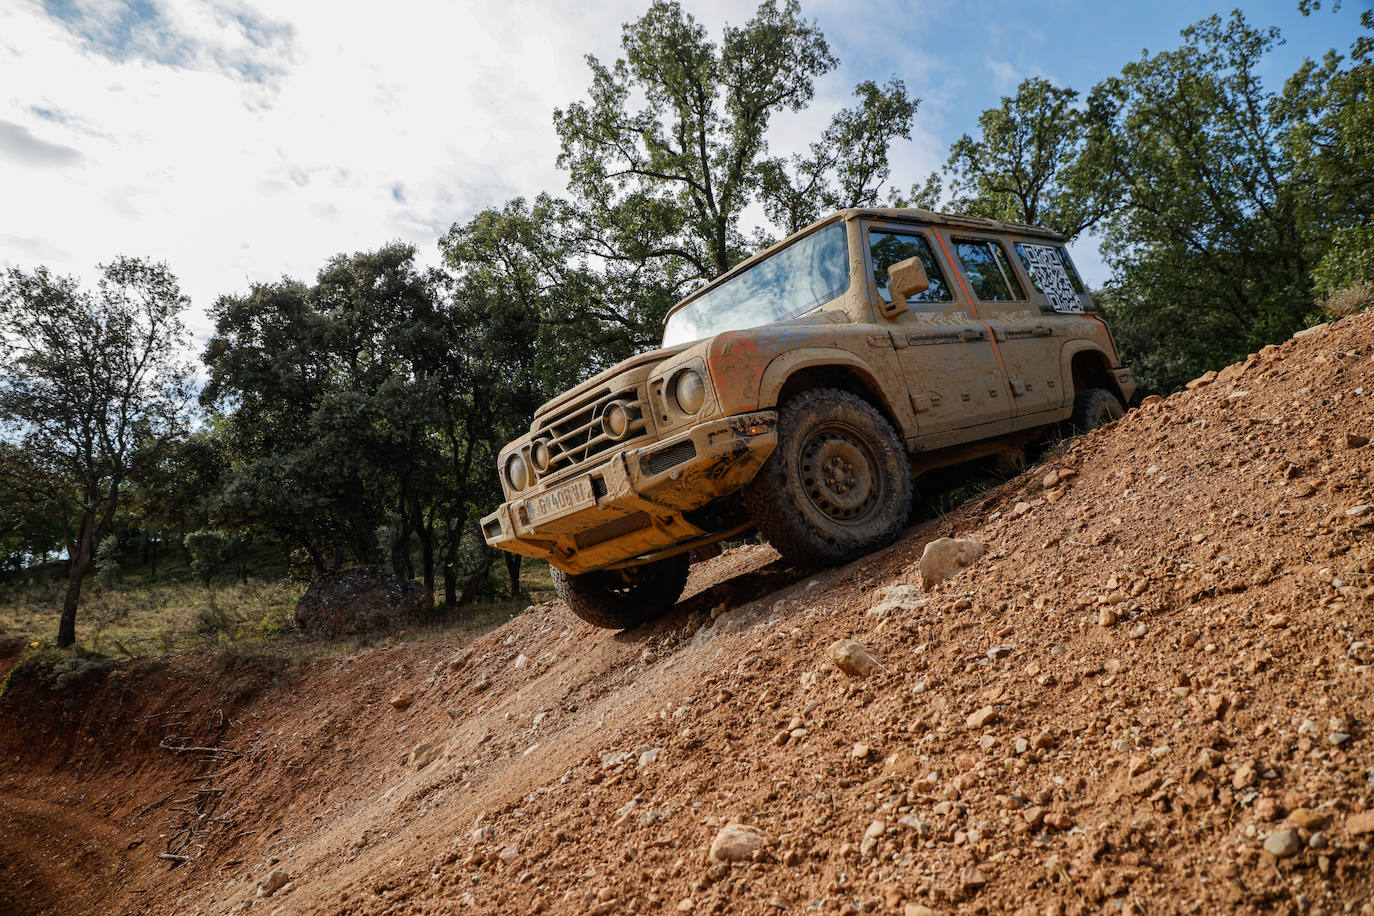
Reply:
x=988, y=271
x=1053, y=274
x=888, y=248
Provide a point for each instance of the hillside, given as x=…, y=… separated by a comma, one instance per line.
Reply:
x=1151, y=695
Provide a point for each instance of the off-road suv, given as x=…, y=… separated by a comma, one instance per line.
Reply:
x=800, y=394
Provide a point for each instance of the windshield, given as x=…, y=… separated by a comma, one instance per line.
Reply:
x=808, y=273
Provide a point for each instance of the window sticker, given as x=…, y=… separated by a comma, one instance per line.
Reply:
x=1051, y=277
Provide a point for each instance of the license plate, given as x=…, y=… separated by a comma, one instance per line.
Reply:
x=561, y=500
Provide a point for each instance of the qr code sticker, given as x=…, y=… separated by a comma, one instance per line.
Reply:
x=1052, y=279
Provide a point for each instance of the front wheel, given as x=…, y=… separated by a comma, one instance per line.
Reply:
x=837, y=486
x=622, y=598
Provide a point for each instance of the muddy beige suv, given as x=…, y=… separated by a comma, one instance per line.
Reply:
x=800, y=394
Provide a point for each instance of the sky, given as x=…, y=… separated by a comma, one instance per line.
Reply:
x=245, y=141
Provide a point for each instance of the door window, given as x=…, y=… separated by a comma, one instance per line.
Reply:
x=888, y=248
x=988, y=270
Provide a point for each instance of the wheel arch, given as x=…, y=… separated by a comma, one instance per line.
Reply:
x=1086, y=366
x=804, y=370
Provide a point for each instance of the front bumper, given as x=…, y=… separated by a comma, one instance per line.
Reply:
x=641, y=495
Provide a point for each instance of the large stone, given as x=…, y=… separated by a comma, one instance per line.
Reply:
x=736, y=842
x=275, y=881
x=897, y=598
x=853, y=659
x=944, y=557
x=1283, y=844
x=359, y=600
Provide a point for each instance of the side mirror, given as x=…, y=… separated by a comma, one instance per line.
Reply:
x=905, y=278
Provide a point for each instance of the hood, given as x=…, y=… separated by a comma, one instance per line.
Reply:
x=601, y=378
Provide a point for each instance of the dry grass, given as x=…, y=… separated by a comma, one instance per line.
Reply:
x=144, y=619
x=175, y=616
x=1348, y=301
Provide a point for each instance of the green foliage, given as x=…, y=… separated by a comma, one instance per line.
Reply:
x=92, y=386
x=1331, y=147
x=1349, y=262
x=1209, y=261
x=357, y=418
x=670, y=151
x=673, y=177
x=1032, y=163
x=107, y=561
x=847, y=166
x=56, y=669
x=1223, y=207
x=30, y=529
x=332, y=388
x=207, y=548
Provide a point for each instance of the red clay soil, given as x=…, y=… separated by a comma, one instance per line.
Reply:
x=1153, y=694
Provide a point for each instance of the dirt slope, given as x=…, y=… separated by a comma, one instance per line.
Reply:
x=1161, y=663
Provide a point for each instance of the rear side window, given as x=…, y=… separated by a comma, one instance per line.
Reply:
x=1053, y=274
x=988, y=270
x=888, y=248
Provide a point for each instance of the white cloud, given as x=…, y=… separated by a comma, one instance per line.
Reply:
x=240, y=145
x=1004, y=76
x=232, y=180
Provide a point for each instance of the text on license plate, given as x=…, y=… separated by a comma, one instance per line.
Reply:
x=563, y=500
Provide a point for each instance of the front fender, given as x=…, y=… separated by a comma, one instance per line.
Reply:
x=749, y=368
x=784, y=366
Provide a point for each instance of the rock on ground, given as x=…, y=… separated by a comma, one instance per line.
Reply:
x=853, y=658
x=275, y=881
x=944, y=557
x=736, y=842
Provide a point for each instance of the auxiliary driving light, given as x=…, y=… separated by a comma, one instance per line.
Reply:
x=517, y=475
x=615, y=420
x=690, y=391
x=540, y=456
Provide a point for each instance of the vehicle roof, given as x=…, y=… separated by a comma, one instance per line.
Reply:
x=905, y=214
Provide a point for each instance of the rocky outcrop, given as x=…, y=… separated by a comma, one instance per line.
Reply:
x=359, y=600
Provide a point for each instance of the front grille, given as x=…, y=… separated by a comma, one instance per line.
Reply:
x=609, y=531
x=670, y=457
x=575, y=436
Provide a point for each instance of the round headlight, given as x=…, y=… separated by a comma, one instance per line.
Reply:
x=690, y=391
x=539, y=456
x=517, y=475
x=615, y=420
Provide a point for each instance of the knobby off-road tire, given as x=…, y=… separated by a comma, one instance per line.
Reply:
x=622, y=598
x=1094, y=409
x=837, y=486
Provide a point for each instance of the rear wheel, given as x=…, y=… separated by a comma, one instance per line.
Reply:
x=622, y=598
x=837, y=486
x=1094, y=409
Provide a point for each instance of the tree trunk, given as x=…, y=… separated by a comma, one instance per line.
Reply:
x=153, y=560
x=426, y=536
x=472, y=585
x=80, y=561
x=450, y=586
x=513, y=571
